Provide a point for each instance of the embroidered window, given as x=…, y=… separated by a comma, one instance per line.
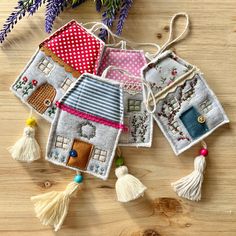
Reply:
x=189, y=94
x=45, y=66
x=66, y=84
x=174, y=127
x=174, y=104
x=134, y=105
x=100, y=155
x=206, y=106
x=170, y=106
x=62, y=142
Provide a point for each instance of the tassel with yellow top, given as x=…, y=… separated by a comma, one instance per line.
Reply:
x=190, y=186
x=26, y=149
x=52, y=208
x=128, y=187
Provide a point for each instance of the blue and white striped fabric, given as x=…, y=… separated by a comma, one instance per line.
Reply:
x=96, y=97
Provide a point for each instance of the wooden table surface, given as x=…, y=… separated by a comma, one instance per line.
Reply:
x=211, y=45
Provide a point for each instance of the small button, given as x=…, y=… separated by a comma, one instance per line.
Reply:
x=73, y=153
x=47, y=102
x=201, y=119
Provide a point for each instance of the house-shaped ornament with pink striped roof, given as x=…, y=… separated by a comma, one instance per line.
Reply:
x=59, y=61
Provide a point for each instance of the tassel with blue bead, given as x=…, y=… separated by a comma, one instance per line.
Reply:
x=52, y=208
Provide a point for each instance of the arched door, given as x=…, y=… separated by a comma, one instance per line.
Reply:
x=42, y=98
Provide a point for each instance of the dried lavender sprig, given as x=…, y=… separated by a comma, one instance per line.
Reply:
x=123, y=15
x=109, y=16
x=35, y=6
x=53, y=9
x=19, y=12
x=98, y=5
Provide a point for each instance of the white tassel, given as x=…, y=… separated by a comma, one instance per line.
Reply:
x=26, y=149
x=52, y=208
x=128, y=187
x=190, y=186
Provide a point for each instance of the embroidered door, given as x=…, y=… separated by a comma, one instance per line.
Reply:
x=194, y=122
x=80, y=154
x=42, y=98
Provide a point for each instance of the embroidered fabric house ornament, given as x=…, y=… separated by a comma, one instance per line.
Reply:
x=83, y=137
x=187, y=110
x=59, y=61
x=138, y=121
x=87, y=126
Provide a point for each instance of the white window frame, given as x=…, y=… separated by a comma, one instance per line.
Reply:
x=189, y=91
x=62, y=142
x=45, y=66
x=206, y=106
x=134, y=105
x=100, y=155
x=65, y=85
x=173, y=130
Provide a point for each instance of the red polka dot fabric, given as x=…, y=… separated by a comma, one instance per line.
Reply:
x=76, y=47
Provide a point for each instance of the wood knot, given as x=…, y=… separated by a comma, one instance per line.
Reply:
x=188, y=225
x=166, y=28
x=167, y=206
x=46, y=184
x=151, y=232
x=159, y=35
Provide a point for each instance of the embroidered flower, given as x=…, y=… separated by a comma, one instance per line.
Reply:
x=25, y=79
x=174, y=72
x=34, y=82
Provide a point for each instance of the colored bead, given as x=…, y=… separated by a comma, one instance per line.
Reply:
x=78, y=178
x=73, y=153
x=204, y=152
x=31, y=122
x=119, y=161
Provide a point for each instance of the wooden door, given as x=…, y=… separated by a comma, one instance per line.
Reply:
x=81, y=153
x=42, y=98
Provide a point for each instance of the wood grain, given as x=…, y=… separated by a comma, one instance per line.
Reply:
x=211, y=45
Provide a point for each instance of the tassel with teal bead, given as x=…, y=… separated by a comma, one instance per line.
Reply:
x=128, y=187
x=52, y=208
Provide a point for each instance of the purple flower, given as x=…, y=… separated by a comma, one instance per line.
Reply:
x=123, y=15
x=53, y=9
x=17, y=14
x=35, y=6
x=108, y=18
x=98, y=5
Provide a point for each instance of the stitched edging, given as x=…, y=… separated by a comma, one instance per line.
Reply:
x=91, y=117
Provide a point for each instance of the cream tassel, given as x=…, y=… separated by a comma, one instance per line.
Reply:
x=128, y=187
x=52, y=208
x=26, y=149
x=190, y=186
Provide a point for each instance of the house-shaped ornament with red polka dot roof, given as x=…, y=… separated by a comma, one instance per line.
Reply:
x=60, y=60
